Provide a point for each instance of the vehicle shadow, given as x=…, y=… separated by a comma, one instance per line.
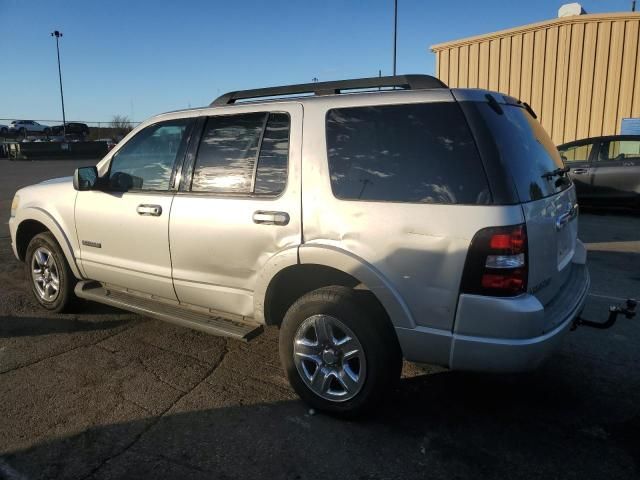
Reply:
x=12, y=326
x=446, y=425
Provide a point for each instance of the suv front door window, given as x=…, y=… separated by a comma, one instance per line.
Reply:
x=146, y=161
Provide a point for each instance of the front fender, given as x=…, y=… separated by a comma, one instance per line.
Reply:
x=373, y=279
x=40, y=215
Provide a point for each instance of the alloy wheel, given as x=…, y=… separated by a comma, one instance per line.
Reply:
x=45, y=274
x=329, y=358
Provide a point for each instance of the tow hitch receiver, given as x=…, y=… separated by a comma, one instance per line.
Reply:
x=628, y=309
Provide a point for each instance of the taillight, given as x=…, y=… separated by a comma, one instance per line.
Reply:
x=497, y=262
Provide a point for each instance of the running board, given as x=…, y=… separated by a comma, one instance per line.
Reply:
x=172, y=313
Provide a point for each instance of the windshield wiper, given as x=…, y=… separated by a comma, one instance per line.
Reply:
x=558, y=172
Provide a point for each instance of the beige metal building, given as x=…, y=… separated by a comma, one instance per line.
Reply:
x=580, y=73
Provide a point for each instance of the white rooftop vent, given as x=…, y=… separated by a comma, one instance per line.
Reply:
x=570, y=10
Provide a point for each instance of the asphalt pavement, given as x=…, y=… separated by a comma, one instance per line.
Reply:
x=106, y=394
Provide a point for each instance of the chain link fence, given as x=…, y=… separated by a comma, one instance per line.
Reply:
x=45, y=138
x=51, y=130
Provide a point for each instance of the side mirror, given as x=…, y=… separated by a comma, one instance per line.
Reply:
x=85, y=178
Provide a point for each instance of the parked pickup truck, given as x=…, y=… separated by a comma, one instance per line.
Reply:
x=71, y=128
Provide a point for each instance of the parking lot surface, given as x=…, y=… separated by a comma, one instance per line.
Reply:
x=106, y=394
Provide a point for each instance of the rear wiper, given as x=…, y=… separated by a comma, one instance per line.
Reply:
x=558, y=172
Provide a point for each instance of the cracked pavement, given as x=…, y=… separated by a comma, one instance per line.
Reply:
x=105, y=394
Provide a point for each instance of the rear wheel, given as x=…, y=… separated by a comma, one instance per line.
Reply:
x=339, y=356
x=47, y=131
x=52, y=281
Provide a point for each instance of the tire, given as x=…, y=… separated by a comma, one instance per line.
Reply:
x=4, y=131
x=316, y=365
x=45, y=263
x=47, y=131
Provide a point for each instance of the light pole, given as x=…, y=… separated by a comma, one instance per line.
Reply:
x=395, y=33
x=58, y=34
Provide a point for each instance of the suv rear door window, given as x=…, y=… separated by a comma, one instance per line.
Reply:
x=271, y=174
x=243, y=154
x=419, y=153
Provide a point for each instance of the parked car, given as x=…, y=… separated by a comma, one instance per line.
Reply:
x=422, y=222
x=73, y=128
x=4, y=129
x=23, y=127
x=605, y=169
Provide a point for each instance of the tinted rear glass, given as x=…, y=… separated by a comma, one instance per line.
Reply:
x=228, y=152
x=271, y=173
x=526, y=151
x=243, y=154
x=419, y=153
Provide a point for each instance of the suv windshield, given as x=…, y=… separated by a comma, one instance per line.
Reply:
x=526, y=151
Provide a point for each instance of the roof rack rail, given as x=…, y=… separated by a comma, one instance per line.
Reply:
x=407, y=82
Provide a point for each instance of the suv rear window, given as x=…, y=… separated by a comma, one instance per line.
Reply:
x=243, y=154
x=526, y=151
x=419, y=153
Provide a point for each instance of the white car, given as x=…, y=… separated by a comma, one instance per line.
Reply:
x=28, y=126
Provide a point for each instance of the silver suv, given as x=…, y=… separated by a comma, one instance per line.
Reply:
x=372, y=220
x=28, y=126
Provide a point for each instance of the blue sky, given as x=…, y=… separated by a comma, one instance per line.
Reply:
x=139, y=58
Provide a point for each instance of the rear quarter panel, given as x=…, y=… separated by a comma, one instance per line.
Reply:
x=417, y=251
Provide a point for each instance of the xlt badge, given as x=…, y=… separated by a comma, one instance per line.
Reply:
x=89, y=243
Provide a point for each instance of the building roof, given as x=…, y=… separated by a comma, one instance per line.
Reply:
x=599, y=17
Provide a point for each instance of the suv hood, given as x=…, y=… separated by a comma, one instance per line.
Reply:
x=45, y=191
x=57, y=180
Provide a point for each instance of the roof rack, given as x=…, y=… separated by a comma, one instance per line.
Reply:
x=407, y=82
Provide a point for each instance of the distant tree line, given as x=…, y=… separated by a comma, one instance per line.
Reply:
x=119, y=126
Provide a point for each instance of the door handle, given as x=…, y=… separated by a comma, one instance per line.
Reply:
x=149, y=210
x=580, y=171
x=270, y=218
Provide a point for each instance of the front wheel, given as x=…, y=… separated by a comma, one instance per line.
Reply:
x=52, y=281
x=339, y=356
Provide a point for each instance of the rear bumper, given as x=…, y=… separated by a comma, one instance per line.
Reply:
x=500, y=334
x=491, y=354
